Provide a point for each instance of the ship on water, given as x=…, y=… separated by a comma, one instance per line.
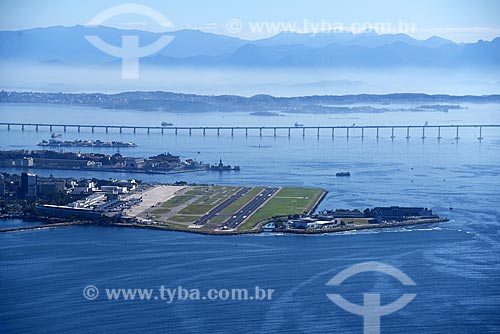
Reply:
x=299, y=125
x=166, y=124
x=220, y=167
x=85, y=143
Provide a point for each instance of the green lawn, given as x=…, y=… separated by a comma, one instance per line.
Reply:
x=160, y=211
x=184, y=219
x=299, y=192
x=196, y=191
x=176, y=201
x=219, y=219
x=196, y=209
x=288, y=201
x=209, y=200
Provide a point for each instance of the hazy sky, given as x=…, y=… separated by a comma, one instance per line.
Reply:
x=460, y=20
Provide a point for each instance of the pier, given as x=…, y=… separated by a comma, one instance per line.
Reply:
x=391, y=131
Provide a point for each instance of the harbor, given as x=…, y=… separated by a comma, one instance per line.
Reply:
x=164, y=163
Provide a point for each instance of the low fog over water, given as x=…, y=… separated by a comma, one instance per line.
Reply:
x=248, y=81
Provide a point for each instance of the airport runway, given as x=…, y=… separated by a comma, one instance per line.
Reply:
x=250, y=208
x=219, y=208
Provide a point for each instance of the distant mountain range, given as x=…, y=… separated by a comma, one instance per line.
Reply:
x=176, y=102
x=67, y=46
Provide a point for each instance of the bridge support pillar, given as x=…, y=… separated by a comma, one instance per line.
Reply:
x=347, y=133
x=107, y=129
x=377, y=132
x=190, y=131
x=36, y=128
x=149, y=130
x=408, y=133
x=64, y=129
x=232, y=132
x=176, y=131
x=317, y=133
x=423, y=132
x=392, y=134
x=246, y=131
x=204, y=131
x=289, y=132
x=218, y=131
x=303, y=132
x=121, y=129
x=260, y=132
x=50, y=128
x=8, y=127
x=333, y=132
x=362, y=133
x=480, y=133
x=439, y=133
x=457, y=137
x=275, y=132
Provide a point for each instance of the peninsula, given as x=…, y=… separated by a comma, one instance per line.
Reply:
x=207, y=209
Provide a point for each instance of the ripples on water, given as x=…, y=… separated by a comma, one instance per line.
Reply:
x=455, y=264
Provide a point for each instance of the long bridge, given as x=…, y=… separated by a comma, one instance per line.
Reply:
x=345, y=130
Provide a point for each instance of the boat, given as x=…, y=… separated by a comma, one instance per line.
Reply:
x=220, y=167
x=298, y=125
x=343, y=174
x=166, y=124
x=55, y=135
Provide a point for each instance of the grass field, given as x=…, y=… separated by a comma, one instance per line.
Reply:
x=288, y=201
x=219, y=219
x=160, y=211
x=208, y=198
x=176, y=201
x=184, y=219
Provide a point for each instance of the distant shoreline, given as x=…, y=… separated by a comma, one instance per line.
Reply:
x=191, y=103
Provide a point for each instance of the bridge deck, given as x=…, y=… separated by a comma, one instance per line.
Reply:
x=289, y=129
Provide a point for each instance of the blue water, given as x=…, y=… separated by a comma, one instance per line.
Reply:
x=6, y=224
x=455, y=265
